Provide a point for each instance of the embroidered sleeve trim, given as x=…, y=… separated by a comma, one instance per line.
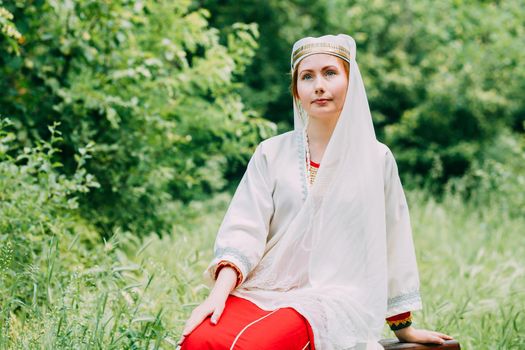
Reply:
x=400, y=321
x=223, y=253
x=404, y=299
x=398, y=317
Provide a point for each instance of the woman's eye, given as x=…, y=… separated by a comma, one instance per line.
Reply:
x=306, y=77
x=330, y=72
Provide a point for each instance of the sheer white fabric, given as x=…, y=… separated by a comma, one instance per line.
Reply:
x=340, y=251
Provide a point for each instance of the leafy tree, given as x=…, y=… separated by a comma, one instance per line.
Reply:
x=443, y=79
x=148, y=84
x=8, y=31
x=280, y=23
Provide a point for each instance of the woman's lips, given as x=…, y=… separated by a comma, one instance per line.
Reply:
x=321, y=101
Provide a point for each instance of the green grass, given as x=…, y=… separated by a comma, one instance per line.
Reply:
x=472, y=268
x=471, y=262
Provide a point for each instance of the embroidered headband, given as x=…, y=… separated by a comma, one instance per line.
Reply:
x=319, y=47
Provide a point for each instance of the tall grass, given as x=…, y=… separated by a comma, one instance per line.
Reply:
x=471, y=261
x=472, y=267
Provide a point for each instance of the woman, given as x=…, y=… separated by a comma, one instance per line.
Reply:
x=316, y=247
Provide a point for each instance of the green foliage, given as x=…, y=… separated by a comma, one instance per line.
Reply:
x=136, y=297
x=58, y=280
x=280, y=23
x=442, y=78
x=148, y=85
x=39, y=209
x=8, y=31
x=472, y=270
x=498, y=177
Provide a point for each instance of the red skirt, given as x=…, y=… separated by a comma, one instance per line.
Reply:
x=243, y=325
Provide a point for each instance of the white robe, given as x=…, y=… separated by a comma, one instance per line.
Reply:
x=267, y=199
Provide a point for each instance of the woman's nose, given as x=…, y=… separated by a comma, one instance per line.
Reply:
x=319, y=87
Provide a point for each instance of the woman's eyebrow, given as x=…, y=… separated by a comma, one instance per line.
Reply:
x=324, y=68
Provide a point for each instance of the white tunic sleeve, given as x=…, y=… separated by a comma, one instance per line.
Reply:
x=241, y=238
x=403, y=278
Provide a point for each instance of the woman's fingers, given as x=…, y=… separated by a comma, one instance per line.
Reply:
x=435, y=339
x=217, y=314
x=197, y=316
x=422, y=336
x=445, y=336
x=425, y=336
x=192, y=323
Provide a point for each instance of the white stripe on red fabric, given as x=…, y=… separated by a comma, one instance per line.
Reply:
x=245, y=328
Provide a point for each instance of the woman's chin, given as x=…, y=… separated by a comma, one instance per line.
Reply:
x=324, y=116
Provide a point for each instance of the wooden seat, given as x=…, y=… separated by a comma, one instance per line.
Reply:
x=394, y=344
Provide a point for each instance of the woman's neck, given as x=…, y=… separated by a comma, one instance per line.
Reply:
x=319, y=133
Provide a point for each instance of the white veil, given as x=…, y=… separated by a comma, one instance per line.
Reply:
x=349, y=246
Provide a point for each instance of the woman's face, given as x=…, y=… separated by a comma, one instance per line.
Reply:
x=321, y=85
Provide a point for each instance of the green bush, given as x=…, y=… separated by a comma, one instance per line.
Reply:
x=442, y=78
x=149, y=85
x=8, y=32
x=61, y=286
x=40, y=221
x=497, y=178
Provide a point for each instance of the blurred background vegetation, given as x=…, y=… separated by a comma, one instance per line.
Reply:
x=123, y=122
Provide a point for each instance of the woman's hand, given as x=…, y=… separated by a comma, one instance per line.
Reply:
x=214, y=303
x=413, y=335
x=211, y=306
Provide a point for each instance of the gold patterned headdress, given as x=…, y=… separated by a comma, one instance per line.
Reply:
x=328, y=44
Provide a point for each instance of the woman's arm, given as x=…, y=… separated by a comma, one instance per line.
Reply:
x=403, y=284
x=214, y=303
x=243, y=233
x=403, y=277
x=241, y=239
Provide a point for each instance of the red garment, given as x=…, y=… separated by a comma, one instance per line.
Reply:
x=247, y=327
